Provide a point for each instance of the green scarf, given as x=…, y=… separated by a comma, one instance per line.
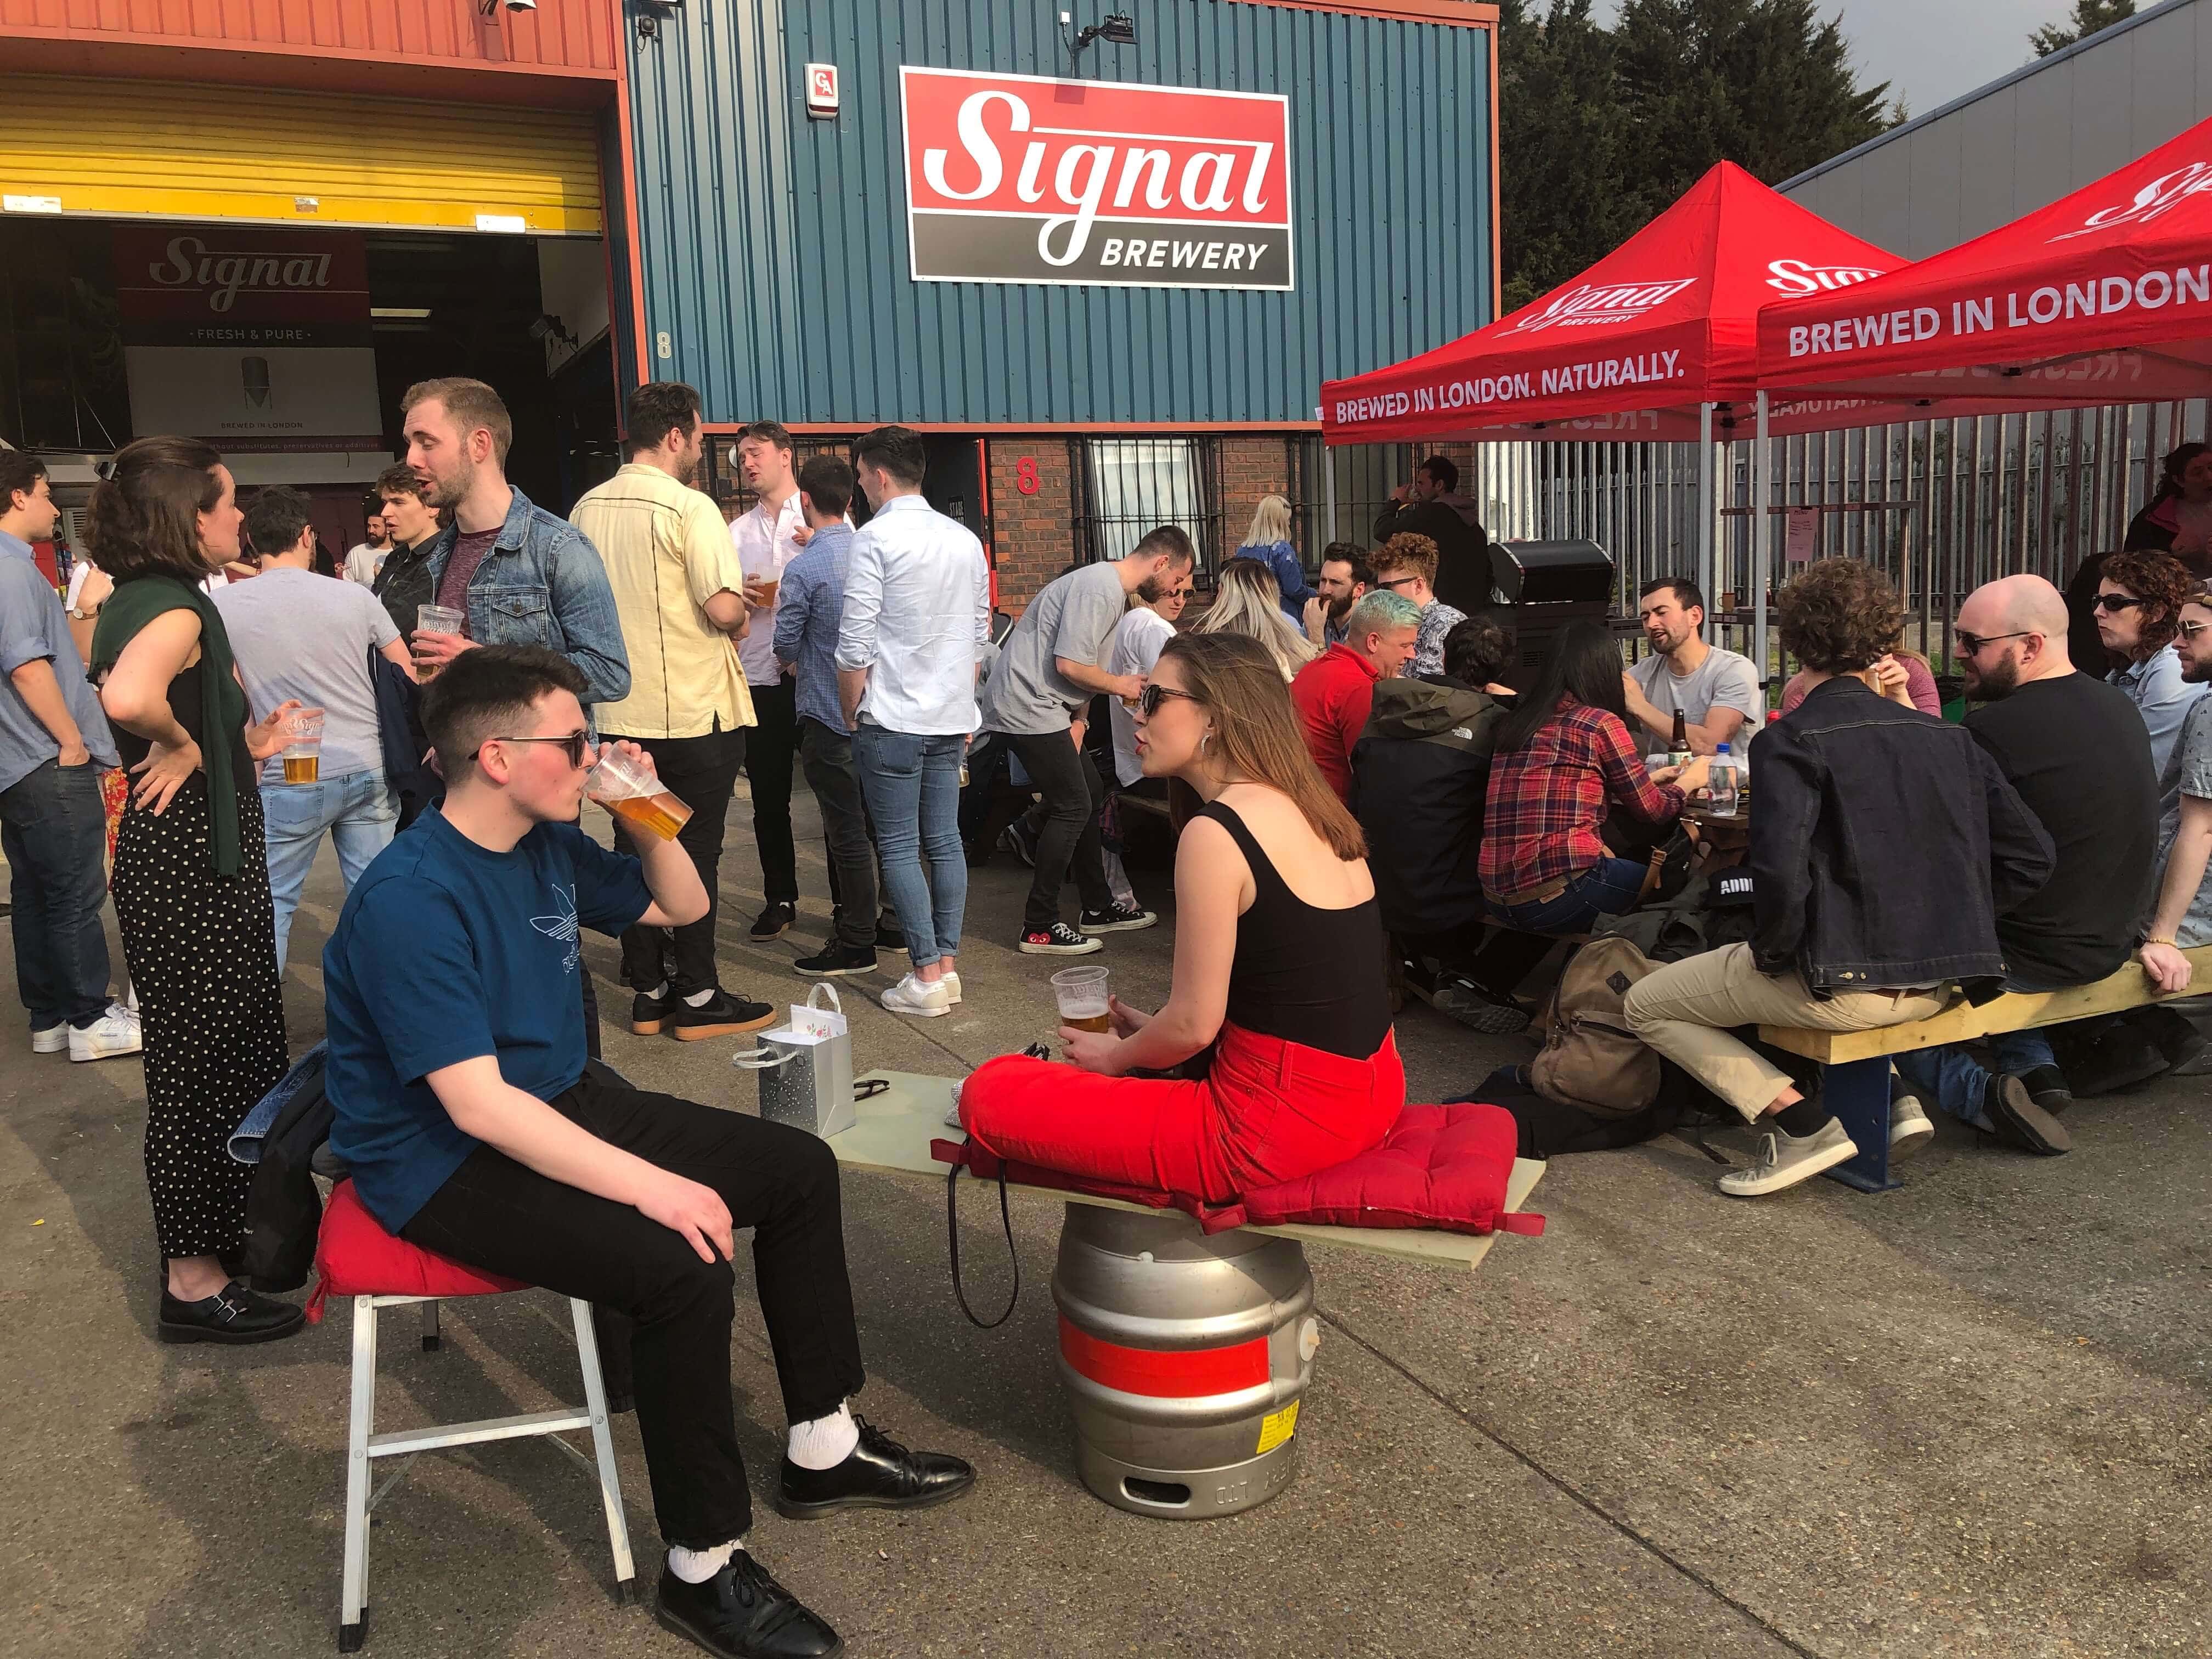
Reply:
x=222, y=703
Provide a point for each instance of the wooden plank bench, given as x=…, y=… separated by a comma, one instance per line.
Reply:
x=1855, y=1065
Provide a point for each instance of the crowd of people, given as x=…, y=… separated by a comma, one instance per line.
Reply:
x=1359, y=773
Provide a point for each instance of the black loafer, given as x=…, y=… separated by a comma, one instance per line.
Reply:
x=233, y=1313
x=742, y=1613
x=2047, y=1087
x=2020, y=1123
x=880, y=1474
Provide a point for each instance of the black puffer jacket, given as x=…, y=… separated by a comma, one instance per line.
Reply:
x=1420, y=773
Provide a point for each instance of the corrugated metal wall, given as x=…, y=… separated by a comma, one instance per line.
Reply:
x=560, y=34
x=774, y=248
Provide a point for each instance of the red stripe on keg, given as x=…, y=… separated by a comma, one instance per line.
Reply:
x=1164, y=1373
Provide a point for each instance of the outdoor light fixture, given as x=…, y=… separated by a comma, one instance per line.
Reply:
x=1117, y=27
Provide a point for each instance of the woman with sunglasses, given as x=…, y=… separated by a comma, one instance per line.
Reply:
x=1279, y=970
x=192, y=886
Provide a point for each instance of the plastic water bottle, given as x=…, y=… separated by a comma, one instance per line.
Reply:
x=1722, y=783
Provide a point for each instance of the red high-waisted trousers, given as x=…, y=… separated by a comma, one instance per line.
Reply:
x=1269, y=1110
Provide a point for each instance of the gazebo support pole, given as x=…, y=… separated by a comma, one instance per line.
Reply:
x=1762, y=546
x=1705, y=505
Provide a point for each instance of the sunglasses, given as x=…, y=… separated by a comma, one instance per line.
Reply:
x=1150, y=699
x=1393, y=583
x=2108, y=603
x=576, y=743
x=1972, y=644
x=2190, y=630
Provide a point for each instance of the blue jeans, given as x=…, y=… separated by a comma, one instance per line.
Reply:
x=359, y=812
x=913, y=789
x=1607, y=888
x=55, y=833
x=1958, y=1083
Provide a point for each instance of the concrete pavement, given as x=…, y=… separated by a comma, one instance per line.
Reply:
x=1969, y=1417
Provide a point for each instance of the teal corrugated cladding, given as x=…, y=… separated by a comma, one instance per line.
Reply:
x=774, y=248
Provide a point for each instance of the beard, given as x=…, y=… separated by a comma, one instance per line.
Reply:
x=1339, y=608
x=2194, y=672
x=687, y=470
x=451, y=492
x=1996, y=683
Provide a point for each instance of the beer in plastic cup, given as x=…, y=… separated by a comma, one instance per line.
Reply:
x=636, y=797
x=437, y=619
x=1084, y=1002
x=303, y=745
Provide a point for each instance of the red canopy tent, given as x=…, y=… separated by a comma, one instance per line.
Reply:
x=1640, y=347
x=2103, y=297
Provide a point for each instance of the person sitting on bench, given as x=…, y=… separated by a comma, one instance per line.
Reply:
x=1271, y=881
x=2182, y=918
x=456, y=1074
x=1885, y=846
x=1562, y=756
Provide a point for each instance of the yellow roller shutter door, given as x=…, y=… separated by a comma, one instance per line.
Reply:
x=146, y=149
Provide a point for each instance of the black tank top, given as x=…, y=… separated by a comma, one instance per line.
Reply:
x=1301, y=973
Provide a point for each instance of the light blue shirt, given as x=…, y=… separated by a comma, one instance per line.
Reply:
x=808, y=609
x=2164, y=698
x=34, y=628
x=917, y=616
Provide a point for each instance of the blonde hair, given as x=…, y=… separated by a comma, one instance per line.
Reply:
x=1271, y=522
x=1250, y=601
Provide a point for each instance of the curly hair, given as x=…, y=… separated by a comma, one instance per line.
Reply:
x=2162, y=583
x=1838, y=616
x=1409, y=554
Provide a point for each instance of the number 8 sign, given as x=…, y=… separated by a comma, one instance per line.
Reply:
x=1025, y=475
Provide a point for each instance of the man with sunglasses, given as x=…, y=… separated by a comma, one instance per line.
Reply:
x=469, y=1126
x=2183, y=917
x=2075, y=751
x=1406, y=565
x=2139, y=600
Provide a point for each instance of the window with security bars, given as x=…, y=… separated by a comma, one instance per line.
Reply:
x=1129, y=487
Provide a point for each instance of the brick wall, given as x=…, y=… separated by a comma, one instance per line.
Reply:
x=1251, y=467
x=1032, y=534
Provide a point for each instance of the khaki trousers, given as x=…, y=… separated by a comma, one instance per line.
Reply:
x=1684, y=1009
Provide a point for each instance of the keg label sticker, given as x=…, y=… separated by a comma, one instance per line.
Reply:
x=1276, y=1427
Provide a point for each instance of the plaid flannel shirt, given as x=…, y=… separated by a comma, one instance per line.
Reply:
x=1547, y=801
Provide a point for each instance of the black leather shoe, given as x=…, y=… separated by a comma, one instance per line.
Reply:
x=2020, y=1123
x=2117, y=1058
x=233, y=1313
x=2047, y=1087
x=880, y=1474
x=2177, y=1040
x=744, y=1614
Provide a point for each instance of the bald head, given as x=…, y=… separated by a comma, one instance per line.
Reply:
x=2023, y=619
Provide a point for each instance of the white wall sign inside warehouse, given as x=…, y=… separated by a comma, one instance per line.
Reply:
x=1020, y=179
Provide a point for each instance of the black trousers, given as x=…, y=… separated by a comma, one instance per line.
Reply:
x=1069, y=845
x=1496, y=958
x=496, y=1214
x=702, y=773
x=826, y=754
x=769, y=756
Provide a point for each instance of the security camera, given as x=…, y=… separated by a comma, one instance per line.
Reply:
x=522, y=5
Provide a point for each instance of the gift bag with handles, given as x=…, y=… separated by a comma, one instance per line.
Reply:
x=806, y=1067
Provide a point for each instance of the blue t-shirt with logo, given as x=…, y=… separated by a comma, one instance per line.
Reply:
x=446, y=951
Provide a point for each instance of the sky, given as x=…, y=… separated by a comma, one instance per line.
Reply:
x=1933, y=51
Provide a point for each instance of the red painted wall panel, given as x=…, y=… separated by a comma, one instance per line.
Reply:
x=572, y=36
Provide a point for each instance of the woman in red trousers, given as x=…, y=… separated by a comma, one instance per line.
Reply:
x=1279, y=967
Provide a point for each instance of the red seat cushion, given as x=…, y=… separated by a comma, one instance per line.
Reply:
x=1443, y=1167
x=355, y=1256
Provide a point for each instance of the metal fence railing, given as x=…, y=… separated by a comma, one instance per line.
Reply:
x=1124, y=488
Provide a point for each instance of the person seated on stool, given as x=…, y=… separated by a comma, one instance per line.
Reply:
x=1271, y=880
x=1885, y=847
x=456, y=1072
x=1560, y=760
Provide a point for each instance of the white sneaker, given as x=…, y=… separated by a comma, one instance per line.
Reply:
x=953, y=1118
x=51, y=1041
x=115, y=1032
x=911, y=996
x=1785, y=1160
x=1909, y=1127
x=950, y=981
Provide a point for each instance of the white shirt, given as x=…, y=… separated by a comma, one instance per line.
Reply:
x=917, y=616
x=1135, y=650
x=764, y=546
x=363, y=563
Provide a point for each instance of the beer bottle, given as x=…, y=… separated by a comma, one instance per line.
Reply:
x=1678, y=746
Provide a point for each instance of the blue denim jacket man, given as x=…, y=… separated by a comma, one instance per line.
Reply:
x=543, y=584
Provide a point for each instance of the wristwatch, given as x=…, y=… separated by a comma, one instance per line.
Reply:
x=84, y=616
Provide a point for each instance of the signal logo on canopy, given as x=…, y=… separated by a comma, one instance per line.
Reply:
x=1599, y=305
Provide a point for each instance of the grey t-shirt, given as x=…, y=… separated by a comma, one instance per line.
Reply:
x=1074, y=617
x=297, y=634
x=2188, y=772
x=1723, y=680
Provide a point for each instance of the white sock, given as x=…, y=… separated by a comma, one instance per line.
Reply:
x=700, y=998
x=826, y=1442
x=659, y=991
x=697, y=1567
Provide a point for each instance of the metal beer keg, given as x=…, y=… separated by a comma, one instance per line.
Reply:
x=1185, y=1358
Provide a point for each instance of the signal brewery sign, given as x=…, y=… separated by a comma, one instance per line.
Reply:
x=1018, y=179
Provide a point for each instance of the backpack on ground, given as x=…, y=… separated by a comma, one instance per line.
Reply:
x=1590, y=1058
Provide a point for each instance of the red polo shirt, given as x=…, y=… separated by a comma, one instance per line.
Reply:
x=1332, y=694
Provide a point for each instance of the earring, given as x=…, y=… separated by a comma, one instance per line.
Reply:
x=1204, y=738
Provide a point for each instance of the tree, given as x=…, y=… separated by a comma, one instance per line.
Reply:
x=1601, y=129
x=2089, y=17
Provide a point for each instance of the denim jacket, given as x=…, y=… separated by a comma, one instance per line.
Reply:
x=543, y=584
x=1884, y=846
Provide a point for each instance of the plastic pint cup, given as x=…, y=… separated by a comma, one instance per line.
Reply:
x=633, y=794
x=303, y=745
x=1083, y=997
x=437, y=619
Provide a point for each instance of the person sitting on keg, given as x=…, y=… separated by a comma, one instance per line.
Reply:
x=470, y=1128
x=1271, y=878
